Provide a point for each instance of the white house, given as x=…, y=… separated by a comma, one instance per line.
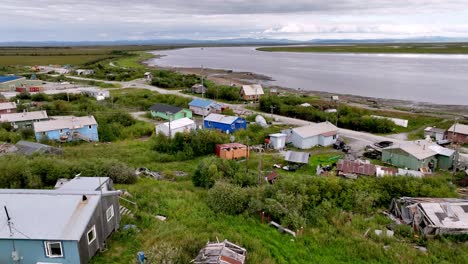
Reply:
x=99, y=94
x=178, y=126
x=278, y=140
x=319, y=134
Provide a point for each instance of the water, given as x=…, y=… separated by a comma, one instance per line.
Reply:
x=438, y=79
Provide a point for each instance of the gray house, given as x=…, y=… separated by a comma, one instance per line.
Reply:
x=68, y=225
x=315, y=134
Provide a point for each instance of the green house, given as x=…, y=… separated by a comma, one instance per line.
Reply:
x=412, y=156
x=169, y=112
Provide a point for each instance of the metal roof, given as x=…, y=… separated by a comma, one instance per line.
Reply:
x=200, y=103
x=46, y=214
x=459, y=128
x=278, y=135
x=315, y=129
x=8, y=105
x=221, y=253
x=24, y=116
x=441, y=150
x=64, y=123
x=420, y=151
x=255, y=89
x=183, y=122
x=435, y=130
x=4, y=79
x=297, y=157
x=166, y=108
x=84, y=184
x=356, y=167
x=29, y=148
x=224, y=119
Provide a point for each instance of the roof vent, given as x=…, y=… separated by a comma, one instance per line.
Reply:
x=84, y=198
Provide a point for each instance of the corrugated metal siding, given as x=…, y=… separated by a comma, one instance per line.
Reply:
x=402, y=159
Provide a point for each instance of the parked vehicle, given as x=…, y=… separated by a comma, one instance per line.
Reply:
x=341, y=145
x=383, y=144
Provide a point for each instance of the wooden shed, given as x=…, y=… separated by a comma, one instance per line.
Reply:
x=232, y=151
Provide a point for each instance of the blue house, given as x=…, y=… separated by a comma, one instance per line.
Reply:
x=67, y=128
x=68, y=225
x=227, y=124
x=201, y=106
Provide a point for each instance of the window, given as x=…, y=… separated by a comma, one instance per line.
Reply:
x=110, y=213
x=92, y=235
x=233, y=126
x=209, y=123
x=89, y=126
x=53, y=249
x=61, y=131
x=334, y=137
x=44, y=133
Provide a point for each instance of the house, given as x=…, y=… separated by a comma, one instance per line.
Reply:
x=169, y=112
x=278, y=141
x=317, y=134
x=10, y=81
x=251, y=92
x=221, y=253
x=68, y=128
x=435, y=133
x=232, y=151
x=227, y=124
x=24, y=119
x=432, y=216
x=30, y=148
x=198, y=89
x=7, y=108
x=178, y=126
x=98, y=94
x=201, y=106
x=458, y=133
x=148, y=76
x=445, y=156
x=413, y=156
x=83, y=72
x=64, y=225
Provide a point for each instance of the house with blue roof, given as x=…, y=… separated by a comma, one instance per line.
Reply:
x=201, y=106
x=224, y=123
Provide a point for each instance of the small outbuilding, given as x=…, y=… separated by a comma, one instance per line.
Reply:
x=317, y=134
x=224, y=123
x=297, y=157
x=435, y=133
x=169, y=112
x=182, y=125
x=201, y=106
x=355, y=168
x=232, y=151
x=458, y=133
x=221, y=253
x=251, y=92
x=98, y=94
x=198, y=89
x=148, y=76
x=278, y=141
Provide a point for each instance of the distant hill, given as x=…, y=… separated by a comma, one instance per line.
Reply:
x=234, y=41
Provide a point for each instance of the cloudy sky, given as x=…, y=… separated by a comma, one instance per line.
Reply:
x=71, y=20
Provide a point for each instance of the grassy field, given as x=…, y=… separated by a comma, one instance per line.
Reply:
x=67, y=55
x=439, y=48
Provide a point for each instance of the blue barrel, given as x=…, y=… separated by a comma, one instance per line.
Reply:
x=141, y=257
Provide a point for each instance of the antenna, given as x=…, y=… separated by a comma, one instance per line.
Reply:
x=8, y=220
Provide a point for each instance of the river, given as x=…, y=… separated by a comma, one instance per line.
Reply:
x=438, y=79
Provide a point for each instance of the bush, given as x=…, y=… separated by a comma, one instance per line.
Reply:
x=212, y=169
x=227, y=198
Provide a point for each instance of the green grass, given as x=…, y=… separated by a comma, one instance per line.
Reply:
x=134, y=61
x=439, y=48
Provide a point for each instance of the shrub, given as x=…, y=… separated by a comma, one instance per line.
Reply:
x=227, y=198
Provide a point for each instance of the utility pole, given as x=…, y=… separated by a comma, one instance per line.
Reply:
x=455, y=146
x=272, y=108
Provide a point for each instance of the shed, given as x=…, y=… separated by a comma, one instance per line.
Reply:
x=436, y=133
x=68, y=128
x=445, y=156
x=198, y=89
x=57, y=226
x=251, y=92
x=24, y=119
x=224, y=123
x=7, y=108
x=410, y=155
x=297, y=157
x=232, y=151
x=98, y=94
x=201, y=106
x=182, y=125
x=316, y=134
x=278, y=141
x=221, y=253
x=169, y=112
x=432, y=216
x=356, y=167
x=148, y=76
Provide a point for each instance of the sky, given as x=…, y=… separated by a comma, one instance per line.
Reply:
x=106, y=20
